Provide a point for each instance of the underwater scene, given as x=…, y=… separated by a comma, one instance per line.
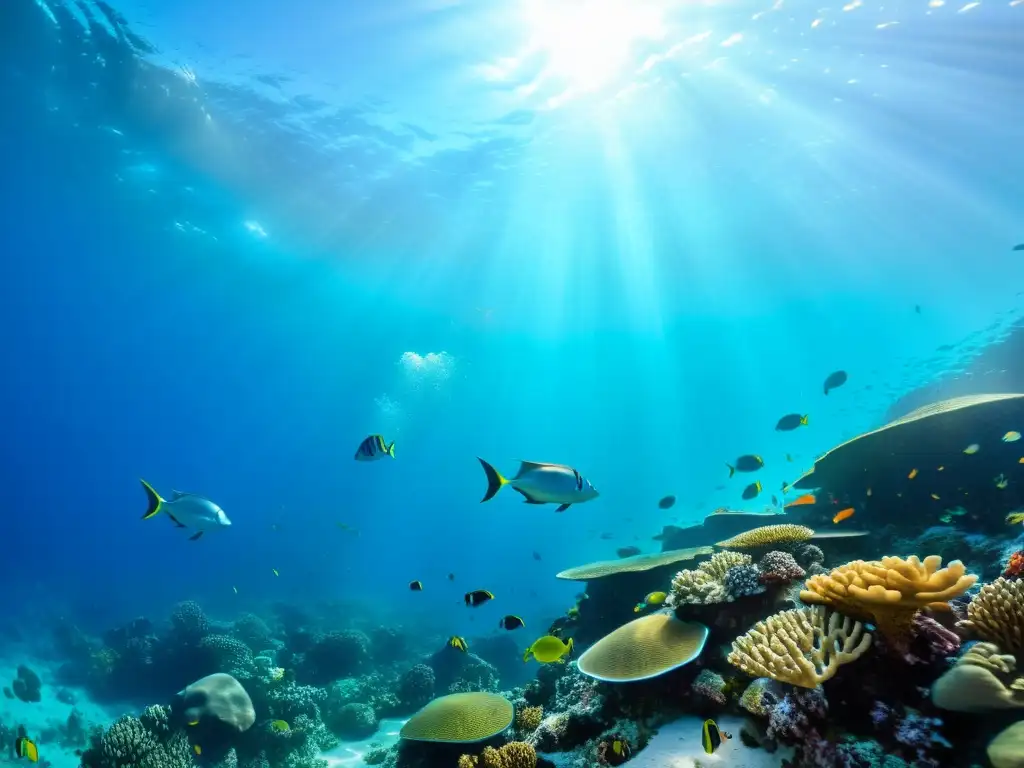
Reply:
x=524, y=384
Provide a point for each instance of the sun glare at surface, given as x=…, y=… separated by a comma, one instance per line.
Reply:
x=588, y=42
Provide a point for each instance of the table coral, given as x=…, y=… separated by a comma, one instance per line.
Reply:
x=798, y=647
x=890, y=591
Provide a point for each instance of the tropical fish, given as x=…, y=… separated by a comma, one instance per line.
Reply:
x=548, y=649
x=667, y=502
x=629, y=551
x=186, y=510
x=478, y=597
x=536, y=556
x=416, y=586
x=751, y=491
x=542, y=483
x=511, y=622
x=936, y=496
x=1015, y=517
x=711, y=737
x=843, y=515
x=656, y=598
x=913, y=474
x=451, y=577
x=197, y=749
x=834, y=380
x=458, y=643
x=236, y=590
x=280, y=726
x=274, y=570
x=790, y=422
x=775, y=500
x=25, y=747
x=1001, y=481
x=972, y=449
x=1019, y=247
x=1011, y=437
x=869, y=491
x=373, y=448
x=746, y=463
x=621, y=748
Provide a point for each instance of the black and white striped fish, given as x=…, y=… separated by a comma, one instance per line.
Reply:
x=374, y=448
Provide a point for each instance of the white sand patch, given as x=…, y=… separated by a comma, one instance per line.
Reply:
x=677, y=745
x=349, y=754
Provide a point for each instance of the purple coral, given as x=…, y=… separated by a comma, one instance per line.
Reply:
x=930, y=643
x=780, y=567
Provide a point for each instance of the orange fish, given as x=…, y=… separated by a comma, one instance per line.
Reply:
x=912, y=475
x=807, y=498
x=840, y=516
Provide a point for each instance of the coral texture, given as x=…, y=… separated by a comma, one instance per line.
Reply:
x=644, y=648
x=798, y=647
x=460, y=718
x=996, y=614
x=768, y=536
x=983, y=679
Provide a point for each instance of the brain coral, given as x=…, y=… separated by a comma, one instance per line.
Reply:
x=460, y=718
x=889, y=591
x=996, y=614
x=604, y=568
x=644, y=648
x=768, y=536
x=798, y=647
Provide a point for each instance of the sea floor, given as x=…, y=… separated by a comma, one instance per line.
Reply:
x=349, y=754
x=50, y=713
x=678, y=745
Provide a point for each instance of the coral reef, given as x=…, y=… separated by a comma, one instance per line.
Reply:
x=768, y=536
x=983, y=679
x=799, y=647
x=710, y=685
x=646, y=647
x=996, y=614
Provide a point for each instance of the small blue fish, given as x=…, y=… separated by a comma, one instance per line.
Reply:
x=186, y=510
x=374, y=448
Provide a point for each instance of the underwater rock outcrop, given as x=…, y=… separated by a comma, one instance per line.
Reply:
x=221, y=697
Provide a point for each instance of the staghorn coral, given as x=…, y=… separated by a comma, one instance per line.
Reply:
x=129, y=743
x=768, y=536
x=798, y=647
x=709, y=684
x=528, y=718
x=996, y=614
x=706, y=585
x=890, y=591
x=982, y=679
x=778, y=566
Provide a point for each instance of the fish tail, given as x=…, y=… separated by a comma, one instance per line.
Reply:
x=732, y=469
x=494, y=480
x=803, y=421
x=569, y=646
x=391, y=450
x=153, y=500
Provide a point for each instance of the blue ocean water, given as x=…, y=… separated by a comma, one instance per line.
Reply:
x=622, y=236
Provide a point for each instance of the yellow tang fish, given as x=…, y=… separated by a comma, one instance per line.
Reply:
x=1011, y=437
x=279, y=725
x=548, y=649
x=197, y=749
x=458, y=643
x=25, y=747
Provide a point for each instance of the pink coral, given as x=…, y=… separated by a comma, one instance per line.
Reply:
x=779, y=566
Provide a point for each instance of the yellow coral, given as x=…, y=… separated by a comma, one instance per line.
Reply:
x=889, y=591
x=798, y=647
x=515, y=754
x=467, y=761
x=983, y=679
x=528, y=718
x=756, y=699
x=1007, y=749
x=768, y=536
x=996, y=614
x=644, y=648
x=721, y=562
x=460, y=718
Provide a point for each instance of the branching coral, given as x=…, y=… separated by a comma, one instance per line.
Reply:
x=798, y=647
x=889, y=591
x=996, y=614
x=515, y=754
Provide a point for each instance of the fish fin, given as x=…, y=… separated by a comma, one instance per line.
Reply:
x=529, y=466
x=153, y=500
x=193, y=538
x=176, y=521
x=803, y=420
x=563, y=508
x=526, y=656
x=494, y=480
x=569, y=646
x=529, y=499
x=732, y=469
x=391, y=450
